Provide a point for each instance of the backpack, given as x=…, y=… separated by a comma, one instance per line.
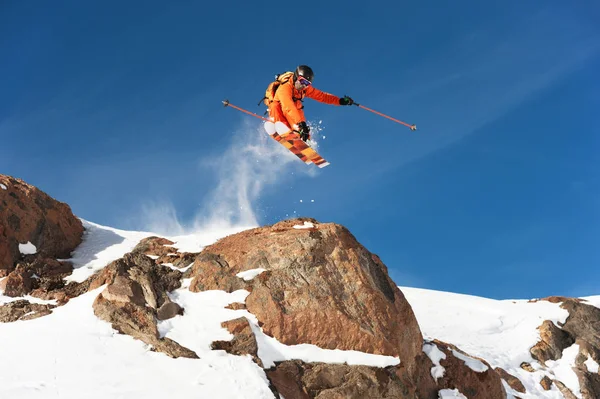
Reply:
x=273, y=86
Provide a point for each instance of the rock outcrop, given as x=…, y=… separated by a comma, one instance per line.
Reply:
x=136, y=291
x=320, y=287
x=582, y=328
x=28, y=215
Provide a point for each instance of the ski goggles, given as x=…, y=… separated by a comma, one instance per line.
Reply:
x=303, y=81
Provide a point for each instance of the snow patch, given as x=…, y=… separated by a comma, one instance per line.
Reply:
x=306, y=225
x=450, y=394
x=435, y=354
x=474, y=364
x=27, y=249
x=3, y=187
x=593, y=300
x=250, y=274
x=153, y=257
x=592, y=365
x=270, y=351
x=563, y=369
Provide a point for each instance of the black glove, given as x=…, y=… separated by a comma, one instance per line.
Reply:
x=304, y=131
x=346, y=101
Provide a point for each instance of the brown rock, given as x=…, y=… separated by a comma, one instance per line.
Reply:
x=236, y=306
x=317, y=282
x=138, y=322
x=298, y=380
x=589, y=381
x=212, y=272
x=527, y=367
x=136, y=287
x=23, y=310
x=243, y=342
x=154, y=246
x=124, y=290
x=553, y=341
x=583, y=328
x=546, y=383
x=18, y=282
x=286, y=377
x=511, y=380
x=169, y=310
x=566, y=392
x=473, y=384
x=165, y=253
x=29, y=215
x=48, y=268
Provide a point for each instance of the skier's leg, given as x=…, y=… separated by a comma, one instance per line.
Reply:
x=277, y=115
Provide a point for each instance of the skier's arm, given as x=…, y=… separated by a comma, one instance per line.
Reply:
x=293, y=114
x=321, y=96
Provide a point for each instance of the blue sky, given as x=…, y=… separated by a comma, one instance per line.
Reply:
x=115, y=108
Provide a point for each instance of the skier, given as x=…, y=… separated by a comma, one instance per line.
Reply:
x=287, y=96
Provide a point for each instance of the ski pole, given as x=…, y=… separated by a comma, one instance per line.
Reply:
x=412, y=127
x=226, y=103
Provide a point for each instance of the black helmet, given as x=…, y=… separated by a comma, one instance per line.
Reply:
x=305, y=71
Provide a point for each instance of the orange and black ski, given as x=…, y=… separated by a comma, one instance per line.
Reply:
x=292, y=141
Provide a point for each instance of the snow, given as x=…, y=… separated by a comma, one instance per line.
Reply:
x=270, y=351
x=78, y=355
x=3, y=187
x=27, y=249
x=306, y=225
x=562, y=369
x=450, y=394
x=474, y=364
x=435, y=354
x=250, y=274
x=592, y=300
x=501, y=332
x=592, y=365
x=102, y=245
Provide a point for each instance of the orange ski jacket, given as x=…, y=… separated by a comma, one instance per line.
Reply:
x=289, y=101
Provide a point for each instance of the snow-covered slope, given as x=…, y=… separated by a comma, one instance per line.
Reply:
x=72, y=354
x=501, y=332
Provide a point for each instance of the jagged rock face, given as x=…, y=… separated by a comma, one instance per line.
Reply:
x=582, y=327
x=35, y=275
x=243, y=342
x=136, y=290
x=553, y=342
x=161, y=248
x=23, y=310
x=298, y=380
x=474, y=384
x=511, y=380
x=321, y=287
x=29, y=215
